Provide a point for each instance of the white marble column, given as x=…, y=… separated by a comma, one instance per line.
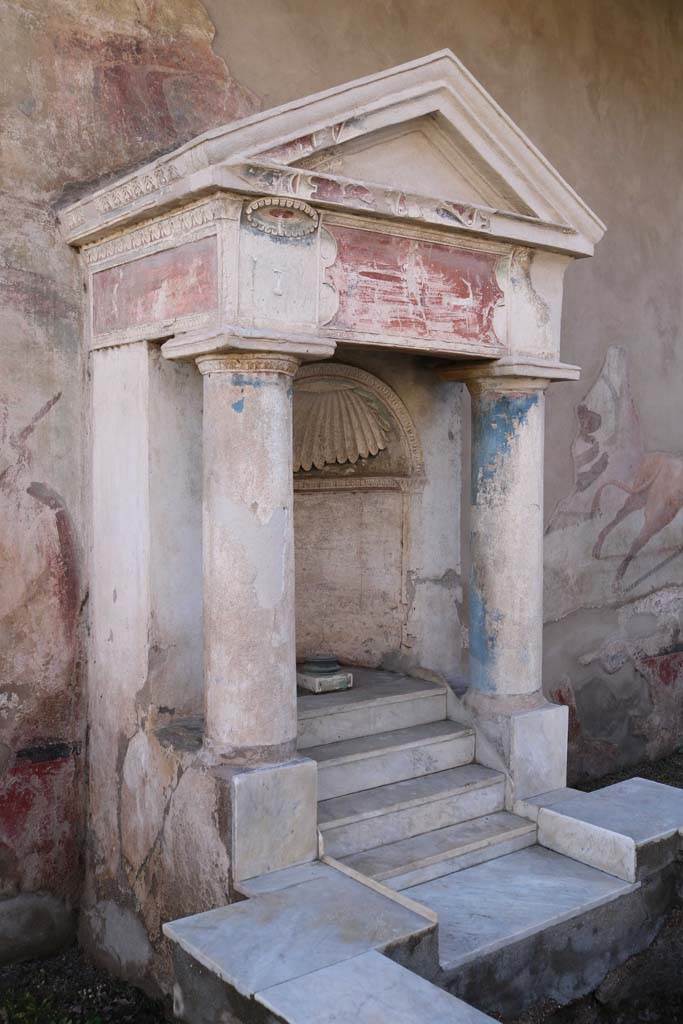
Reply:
x=248, y=556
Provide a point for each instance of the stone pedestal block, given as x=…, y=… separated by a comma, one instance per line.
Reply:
x=273, y=816
x=529, y=744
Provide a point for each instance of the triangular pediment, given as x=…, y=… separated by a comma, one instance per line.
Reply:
x=424, y=156
x=427, y=127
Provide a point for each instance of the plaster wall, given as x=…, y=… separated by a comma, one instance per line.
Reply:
x=88, y=91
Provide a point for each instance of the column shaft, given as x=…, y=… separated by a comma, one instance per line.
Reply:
x=506, y=545
x=248, y=556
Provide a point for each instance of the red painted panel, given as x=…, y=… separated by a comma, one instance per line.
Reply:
x=40, y=813
x=389, y=284
x=666, y=669
x=157, y=287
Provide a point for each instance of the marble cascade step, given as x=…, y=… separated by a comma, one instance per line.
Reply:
x=497, y=904
x=366, y=762
x=311, y=945
x=445, y=850
x=379, y=702
x=386, y=814
x=304, y=920
x=366, y=989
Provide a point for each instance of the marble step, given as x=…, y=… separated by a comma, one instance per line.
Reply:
x=366, y=989
x=364, y=820
x=370, y=761
x=490, y=907
x=379, y=702
x=319, y=917
x=630, y=829
x=454, y=848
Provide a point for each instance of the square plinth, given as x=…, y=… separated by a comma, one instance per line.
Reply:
x=324, y=682
x=274, y=817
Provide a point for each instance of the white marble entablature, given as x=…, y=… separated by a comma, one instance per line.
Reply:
x=402, y=210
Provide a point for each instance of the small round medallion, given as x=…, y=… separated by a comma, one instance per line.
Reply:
x=286, y=218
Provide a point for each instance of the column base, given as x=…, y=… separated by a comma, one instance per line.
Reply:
x=523, y=736
x=273, y=812
x=216, y=753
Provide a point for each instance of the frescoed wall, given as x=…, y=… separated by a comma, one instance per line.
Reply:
x=88, y=90
x=614, y=584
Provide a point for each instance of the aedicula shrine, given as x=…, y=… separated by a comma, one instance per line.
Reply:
x=282, y=316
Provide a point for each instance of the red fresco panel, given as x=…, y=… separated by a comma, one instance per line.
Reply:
x=389, y=284
x=166, y=284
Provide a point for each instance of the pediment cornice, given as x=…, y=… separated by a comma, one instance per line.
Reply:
x=295, y=149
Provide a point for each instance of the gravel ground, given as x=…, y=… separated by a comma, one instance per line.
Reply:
x=668, y=770
x=67, y=989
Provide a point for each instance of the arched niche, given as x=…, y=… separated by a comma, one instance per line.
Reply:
x=357, y=464
x=351, y=431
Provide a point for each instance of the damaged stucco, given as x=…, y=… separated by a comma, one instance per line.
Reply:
x=88, y=90
x=614, y=566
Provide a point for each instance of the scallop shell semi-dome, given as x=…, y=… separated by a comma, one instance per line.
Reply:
x=334, y=423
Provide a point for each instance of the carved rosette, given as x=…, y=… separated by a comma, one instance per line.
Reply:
x=282, y=216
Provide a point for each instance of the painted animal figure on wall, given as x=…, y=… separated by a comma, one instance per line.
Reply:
x=657, y=489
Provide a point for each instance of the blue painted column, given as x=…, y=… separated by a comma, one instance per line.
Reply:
x=506, y=539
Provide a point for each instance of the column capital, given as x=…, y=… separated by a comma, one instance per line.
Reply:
x=511, y=373
x=248, y=362
x=227, y=339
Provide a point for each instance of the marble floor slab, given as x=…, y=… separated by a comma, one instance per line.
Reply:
x=366, y=989
x=639, y=808
x=489, y=906
x=288, y=933
x=630, y=829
